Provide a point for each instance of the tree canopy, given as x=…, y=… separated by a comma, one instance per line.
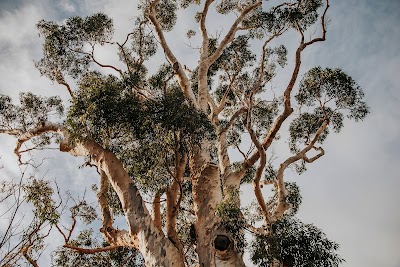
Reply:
x=174, y=146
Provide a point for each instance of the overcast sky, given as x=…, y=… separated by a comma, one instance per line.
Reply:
x=352, y=193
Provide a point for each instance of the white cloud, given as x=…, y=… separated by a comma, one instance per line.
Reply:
x=67, y=5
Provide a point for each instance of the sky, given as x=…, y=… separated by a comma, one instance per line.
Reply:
x=351, y=193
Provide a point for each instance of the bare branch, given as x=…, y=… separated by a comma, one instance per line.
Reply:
x=24, y=252
x=320, y=154
x=323, y=26
x=104, y=65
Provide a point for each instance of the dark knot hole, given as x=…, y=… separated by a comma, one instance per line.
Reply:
x=222, y=242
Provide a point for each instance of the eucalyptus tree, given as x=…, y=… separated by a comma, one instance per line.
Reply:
x=164, y=141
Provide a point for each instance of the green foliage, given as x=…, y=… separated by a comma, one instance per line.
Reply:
x=39, y=193
x=226, y=6
x=144, y=44
x=65, y=45
x=270, y=173
x=157, y=81
x=166, y=14
x=248, y=176
x=235, y=57
x=263, y=115
x=31, y=111
x=186, y=3
x=84, y=211
x=295, y=244
x=284, y=16
x=323, y=86
x=147, y=122
x=103, y=109
x=293, y=196
x=333, y=92
x=303, y=128
x=142, y=134
x=174, y=113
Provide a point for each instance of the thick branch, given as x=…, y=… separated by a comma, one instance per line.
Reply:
x=204, y=64
x=182, y=78
x=203, y=29
x=24, y=252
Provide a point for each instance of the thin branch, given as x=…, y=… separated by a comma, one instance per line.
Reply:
x=104, y=65
x=60, y=80
x=62, y=233
x=323, y=26
x=233, y=118
x=320, y=154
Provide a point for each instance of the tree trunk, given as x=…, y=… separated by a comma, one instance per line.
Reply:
x=215, y=246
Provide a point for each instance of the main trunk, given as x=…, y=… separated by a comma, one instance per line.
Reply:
x=215, y=245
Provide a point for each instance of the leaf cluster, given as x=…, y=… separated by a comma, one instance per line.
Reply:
x=296, y=244
x=39, y=193
x=322, y=86
x=65, y=46
x=31, y=111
